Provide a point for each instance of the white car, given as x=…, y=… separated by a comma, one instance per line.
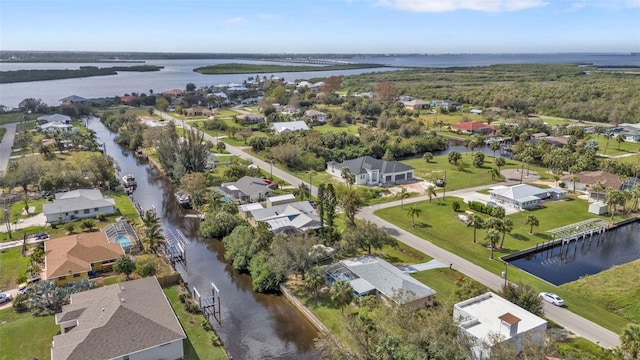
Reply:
x=552, y=298
x=4, y=298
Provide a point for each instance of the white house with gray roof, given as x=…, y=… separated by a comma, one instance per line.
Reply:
x=489, y=318
x=130, y=320
x=247, y=189
x=288, y=127
x=524, y=196
x=64, y=119
x=78, y=204
x=288, y=217
x=371, y=171
x=370, y=275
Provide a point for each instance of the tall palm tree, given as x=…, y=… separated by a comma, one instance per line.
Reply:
x=151, y=229
x=532, y=221
x=492, y=236
x=403, y=195
x=431, y=191
x=476, y=222
x=414, y=212
x=506, y=227
x=341, y=294
x=620, y=139
x=598, y=188
x=495, y=146
x=607, y=135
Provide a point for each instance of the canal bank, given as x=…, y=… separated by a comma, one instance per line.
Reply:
x=253, y=325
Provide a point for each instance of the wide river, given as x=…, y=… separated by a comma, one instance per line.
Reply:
x=254, y=325
x=177, y=73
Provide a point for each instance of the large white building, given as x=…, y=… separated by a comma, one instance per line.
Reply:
x=371, y=171
x=78, y=204
x=489, y=319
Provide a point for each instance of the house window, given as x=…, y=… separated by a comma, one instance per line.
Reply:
x=76, y=275
x=95, y=209
x=107, y=261
x=75, y=212
x=86, y=211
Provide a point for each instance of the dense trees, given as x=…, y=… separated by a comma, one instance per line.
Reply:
x=366, y=236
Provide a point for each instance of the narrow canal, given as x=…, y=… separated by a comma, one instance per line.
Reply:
x=254, y=325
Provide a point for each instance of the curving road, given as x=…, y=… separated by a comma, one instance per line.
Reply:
x=570, y=321
x=5, y=146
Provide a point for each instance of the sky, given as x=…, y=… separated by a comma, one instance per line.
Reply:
x=322, y=26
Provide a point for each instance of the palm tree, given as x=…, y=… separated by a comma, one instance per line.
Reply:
x=314, y=280
x=341, y=294
x=414, y=212
x=635, y=195
x=427, y=157
x=431, y=191
x=495, y=174
x=348, y=176
x=500, y=162
x=505, y=227
x=532, y=221
x=630, y=341
x=403, y=195
x=607, y=135
x=152, y=229
x=476, y=222
x=598, y=188
x=492, y=236
x=495, y=146
x=620, y=139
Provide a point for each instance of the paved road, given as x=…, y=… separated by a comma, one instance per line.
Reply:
x=5, y=146
x=580, y=326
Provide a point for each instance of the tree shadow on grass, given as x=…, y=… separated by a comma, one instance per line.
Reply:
x=422, y=225
x=520, y=237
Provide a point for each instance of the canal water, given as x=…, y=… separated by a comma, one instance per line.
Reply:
x=582, y=258
x=254, y=325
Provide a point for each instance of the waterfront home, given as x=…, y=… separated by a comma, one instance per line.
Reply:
x=78, y=204
x=128, y=320
x=371, y=171
x=488, y=318
x=474, y=127
x=247, y=189
x=73, y=99
x=55, y=127
x=291, y=217
x=55, y=118
x=370, y=275
x=78, y=256
x=586, y=180
x=524, y=196
x=288, y=127
x=631, y=132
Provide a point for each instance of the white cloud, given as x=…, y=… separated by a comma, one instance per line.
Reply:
x=606, y=4
x=453, y=5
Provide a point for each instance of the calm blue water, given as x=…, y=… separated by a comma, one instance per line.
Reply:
x=177, y=73
x=618, y=246
x=123, y=240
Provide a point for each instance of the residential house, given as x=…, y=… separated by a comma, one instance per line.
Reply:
x=290, y=109
x=55, y=118
x=251, y=101
x=78, y=204
x=250, y=119
x=488, y=318
x=476, y=111
x=126, y=99
x=199, y=111
x=291, y=217
x=416, y=104
x=317, y=117
x=371, y=171
x=288, y=127
x=524, y=196
x=585, y=181
x=131, y=320
x=496, y=110
x=631, y=132
x=175, y=93
x=73, y=99
x=281, y=199
x=445, y=104
x=56, y=127
x=79, y=256
x=247, y=189
x=474, y=127
x=370, y=275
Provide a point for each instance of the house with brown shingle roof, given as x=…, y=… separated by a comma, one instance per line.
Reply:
x=71, y=258
x=586, y=180
x=128, y=320
x=474, y=127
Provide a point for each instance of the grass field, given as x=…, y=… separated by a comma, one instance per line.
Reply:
x=198, y=345
x=462, y=179
x=349, y=129
x=12, y=265
x=439, y=225
x=615, y=289
x=24, y=336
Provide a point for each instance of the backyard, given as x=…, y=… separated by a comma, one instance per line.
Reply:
x=25, y=336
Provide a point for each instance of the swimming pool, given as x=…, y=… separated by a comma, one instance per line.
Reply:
x=123, y=240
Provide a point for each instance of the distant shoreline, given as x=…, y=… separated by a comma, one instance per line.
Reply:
x=16, y=76
x=235, y=68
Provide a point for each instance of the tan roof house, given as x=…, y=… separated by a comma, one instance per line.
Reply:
x=71, y=258
x=129, y=320
x=587, y=179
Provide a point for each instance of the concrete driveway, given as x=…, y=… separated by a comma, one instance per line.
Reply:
x=5, y=146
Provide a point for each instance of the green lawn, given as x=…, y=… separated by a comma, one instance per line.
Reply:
x=439, y=225
x=469, y=177
x=614, y=147
x=349, y=129
x=198, y=344
x=442, y=280
x=615, y=289
x=24, y=336
x=2, y=131
x=12, y=265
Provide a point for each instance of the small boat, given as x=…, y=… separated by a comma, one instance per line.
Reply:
x=184, y=200
x=129, y=180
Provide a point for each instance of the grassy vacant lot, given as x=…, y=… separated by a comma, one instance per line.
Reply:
x=349, y=129
x=442, y=280
x=439, y=225
x=12, y=265
x=24, y=336
x=198, y=344
x=615, y=289
x=457, y=179
x=614, y=147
